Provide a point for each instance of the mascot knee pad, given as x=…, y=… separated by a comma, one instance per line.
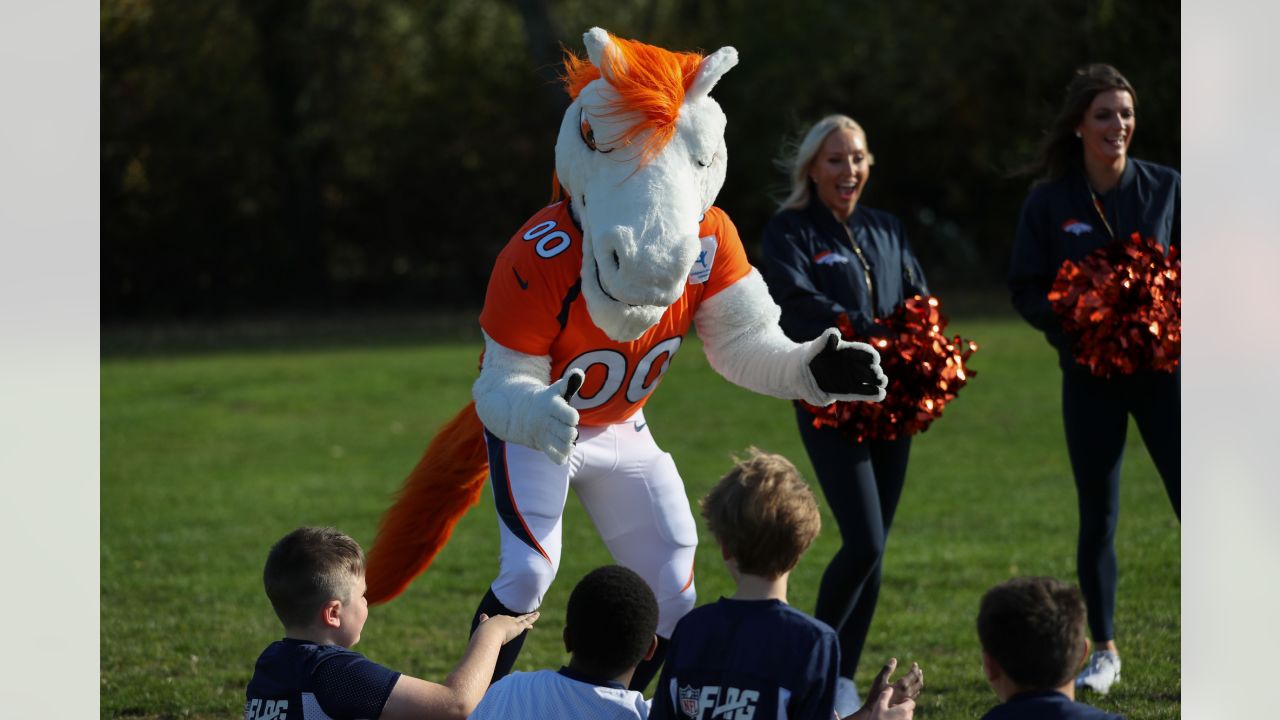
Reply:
x=521, y=586
x=673, y=607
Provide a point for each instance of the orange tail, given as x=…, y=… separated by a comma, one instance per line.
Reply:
x=444, y=485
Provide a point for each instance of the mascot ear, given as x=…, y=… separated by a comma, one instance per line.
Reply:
x=713, y=66
x=597, y=42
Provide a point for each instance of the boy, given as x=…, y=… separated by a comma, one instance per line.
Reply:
x=753, y=655
x=314, y=578
x=1033, y=641
x=609, y=629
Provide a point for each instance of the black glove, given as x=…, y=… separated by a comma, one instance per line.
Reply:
x=847, y=371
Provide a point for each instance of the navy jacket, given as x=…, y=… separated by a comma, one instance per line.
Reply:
x=817, y=268
x=1047, y=705
x=1059, y=222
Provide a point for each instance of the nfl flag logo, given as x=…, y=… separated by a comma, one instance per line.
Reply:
x=689, y=701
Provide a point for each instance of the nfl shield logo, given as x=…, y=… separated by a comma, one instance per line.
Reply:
x=689, y=701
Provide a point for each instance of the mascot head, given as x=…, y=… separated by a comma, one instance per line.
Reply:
x=641, y=155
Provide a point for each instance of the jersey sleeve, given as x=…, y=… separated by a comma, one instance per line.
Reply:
x=1032, y=269
x=352, y=686
x=818, y=700
x=913, y=282
x=731, y=263
x=526, y=295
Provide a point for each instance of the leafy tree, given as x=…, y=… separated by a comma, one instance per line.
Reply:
x=266, y=155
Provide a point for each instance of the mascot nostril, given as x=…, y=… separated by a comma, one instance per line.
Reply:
x=548, y=322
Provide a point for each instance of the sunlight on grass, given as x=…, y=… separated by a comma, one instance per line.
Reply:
x=208, y=459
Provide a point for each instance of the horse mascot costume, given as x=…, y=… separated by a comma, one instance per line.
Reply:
x=586, y=307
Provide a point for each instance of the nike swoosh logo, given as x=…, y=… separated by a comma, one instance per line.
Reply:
x=640, y=426
x=524, y=284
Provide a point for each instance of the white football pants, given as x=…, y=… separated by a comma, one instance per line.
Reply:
x=632, y=492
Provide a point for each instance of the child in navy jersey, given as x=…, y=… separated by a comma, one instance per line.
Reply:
x=1032, y=634
x=752, y=655
x=314, y=578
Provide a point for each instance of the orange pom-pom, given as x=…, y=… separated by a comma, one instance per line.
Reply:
x=1123, y=304
x=925, y=370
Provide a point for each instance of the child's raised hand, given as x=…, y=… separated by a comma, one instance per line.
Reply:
x=509, y=626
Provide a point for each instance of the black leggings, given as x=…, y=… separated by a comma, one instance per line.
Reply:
x=862, y=483
x=1095, y=415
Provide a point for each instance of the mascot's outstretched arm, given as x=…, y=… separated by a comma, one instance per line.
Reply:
x=516, y=401
x=742, y=340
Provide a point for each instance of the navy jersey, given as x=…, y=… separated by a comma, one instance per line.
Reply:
x=818, y=268
x=743, y=659
x=1048, y=705
x=1059, y=222
x=300, y=680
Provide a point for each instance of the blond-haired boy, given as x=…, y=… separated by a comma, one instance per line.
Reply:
x=752, y=655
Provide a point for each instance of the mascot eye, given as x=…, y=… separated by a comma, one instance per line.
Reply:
x=588, y=135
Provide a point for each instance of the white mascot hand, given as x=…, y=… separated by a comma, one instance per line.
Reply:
x=516, y=401
x=553, y=420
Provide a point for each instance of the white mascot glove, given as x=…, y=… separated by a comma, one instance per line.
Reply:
x=516, y=403
x=553, y=420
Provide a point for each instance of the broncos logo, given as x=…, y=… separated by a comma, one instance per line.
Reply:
x=826, y=257
x=1076, y=227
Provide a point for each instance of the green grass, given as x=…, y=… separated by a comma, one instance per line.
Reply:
x=209, y=458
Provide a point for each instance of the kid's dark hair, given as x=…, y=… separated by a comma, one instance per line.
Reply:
x=1034, y=627
x=610, y=621
x=309, y=567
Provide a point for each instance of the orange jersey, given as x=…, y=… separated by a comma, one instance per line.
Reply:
x=534, y=306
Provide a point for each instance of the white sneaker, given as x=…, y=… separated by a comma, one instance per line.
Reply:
x=847, y=702
x=1101, y=673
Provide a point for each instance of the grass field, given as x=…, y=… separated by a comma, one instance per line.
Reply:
x=208, y=458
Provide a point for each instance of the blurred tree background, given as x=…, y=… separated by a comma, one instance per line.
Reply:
x=314, y=156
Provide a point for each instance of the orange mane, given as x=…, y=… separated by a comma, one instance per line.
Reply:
x=650, y=83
